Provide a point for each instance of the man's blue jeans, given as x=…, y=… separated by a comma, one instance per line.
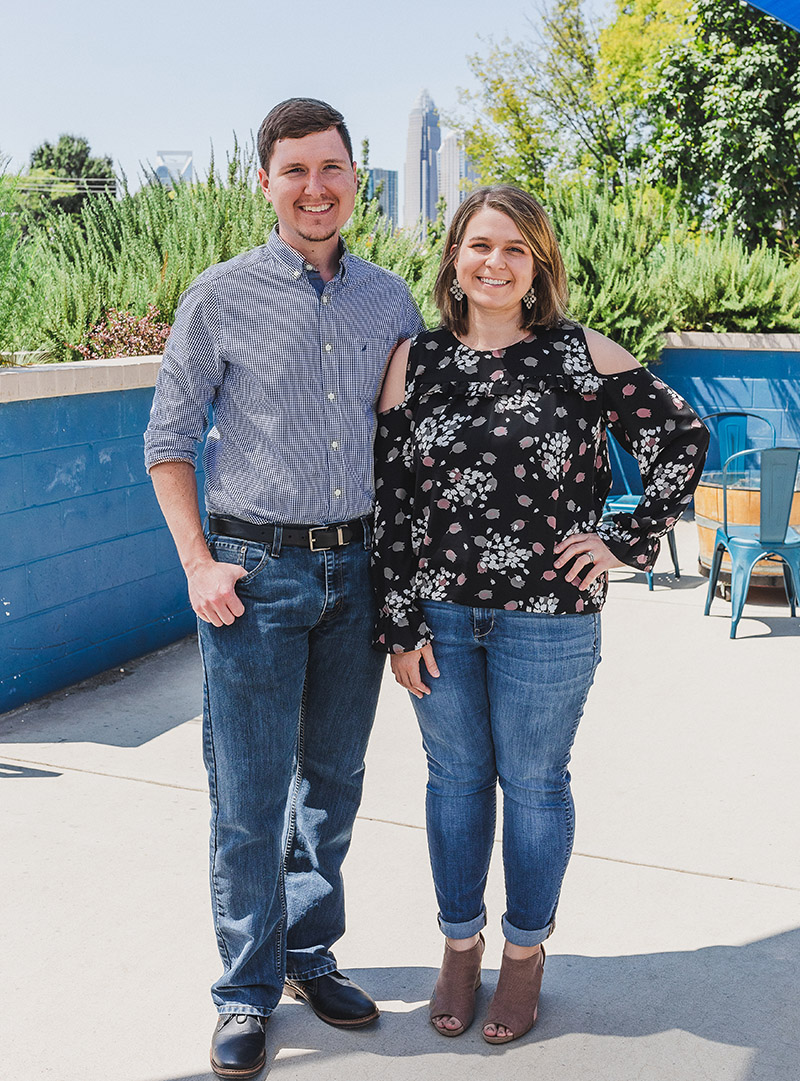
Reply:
x=290, y=694
x=506, y=705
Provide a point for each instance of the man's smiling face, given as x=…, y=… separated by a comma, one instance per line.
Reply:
x=312, y=184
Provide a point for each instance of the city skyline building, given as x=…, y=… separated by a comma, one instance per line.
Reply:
x=455, y=171
x=421, y=172
x=387, y=179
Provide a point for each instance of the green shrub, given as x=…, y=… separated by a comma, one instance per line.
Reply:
x=719, y=284
x=143, y=249
x=15, y=254
x=614, y=251
x=635, y=267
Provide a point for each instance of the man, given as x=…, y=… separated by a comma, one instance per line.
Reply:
x=288, y=343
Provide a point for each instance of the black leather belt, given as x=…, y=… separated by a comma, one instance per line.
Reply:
x=319, y=538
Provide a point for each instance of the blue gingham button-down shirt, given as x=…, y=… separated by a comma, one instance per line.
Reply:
x=292, y=377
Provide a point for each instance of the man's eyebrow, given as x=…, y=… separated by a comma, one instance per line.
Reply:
x=303, y=164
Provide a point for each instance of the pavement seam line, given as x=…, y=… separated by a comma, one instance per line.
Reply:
x=101, y=773
x=617, y=859
x=412, y=826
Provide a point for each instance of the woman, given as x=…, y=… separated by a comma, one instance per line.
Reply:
x=490, y=566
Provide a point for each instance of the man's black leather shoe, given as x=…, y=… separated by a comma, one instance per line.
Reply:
x=237, y=1047
x=335, y=1000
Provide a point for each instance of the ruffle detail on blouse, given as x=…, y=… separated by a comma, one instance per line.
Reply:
x=553, y=359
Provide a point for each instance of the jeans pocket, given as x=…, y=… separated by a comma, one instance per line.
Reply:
x=253, y=557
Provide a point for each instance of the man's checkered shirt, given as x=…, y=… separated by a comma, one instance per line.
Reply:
x=292, y=377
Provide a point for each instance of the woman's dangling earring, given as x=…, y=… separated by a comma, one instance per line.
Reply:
x=456, y=289
x=529, y=299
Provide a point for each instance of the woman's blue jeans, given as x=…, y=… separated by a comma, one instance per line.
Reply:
x=506, y=706
x=290, y=694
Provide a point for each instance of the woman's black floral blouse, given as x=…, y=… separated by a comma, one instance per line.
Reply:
x=493, y=457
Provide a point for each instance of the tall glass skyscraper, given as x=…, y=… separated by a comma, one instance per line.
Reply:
x=424, y=139
x=387, y=180
x=454, y=168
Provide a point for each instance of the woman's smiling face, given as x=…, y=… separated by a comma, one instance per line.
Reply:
x=494, y=265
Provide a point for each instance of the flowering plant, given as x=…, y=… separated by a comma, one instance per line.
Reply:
x=123, y=334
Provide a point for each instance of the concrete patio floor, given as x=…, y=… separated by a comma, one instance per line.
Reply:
x=678, y=940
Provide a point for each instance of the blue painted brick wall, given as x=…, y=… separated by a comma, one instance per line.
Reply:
x=766, y=382
x=89, y=576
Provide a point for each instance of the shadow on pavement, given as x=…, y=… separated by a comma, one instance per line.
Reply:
x=11, y=769
x=776, y=626
x=742, y=996
x=124, y=707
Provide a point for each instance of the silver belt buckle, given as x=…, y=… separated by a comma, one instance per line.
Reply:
x=327, y=547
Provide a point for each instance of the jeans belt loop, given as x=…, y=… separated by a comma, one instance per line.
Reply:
x=277, y=538
x=366, y=525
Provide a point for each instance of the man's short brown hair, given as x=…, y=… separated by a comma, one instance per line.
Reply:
x=295, y=118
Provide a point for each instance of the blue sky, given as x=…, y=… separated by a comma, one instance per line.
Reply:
x=156, y=74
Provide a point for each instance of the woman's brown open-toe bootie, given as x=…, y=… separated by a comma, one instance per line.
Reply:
x=454, y=993
x=515, y=1003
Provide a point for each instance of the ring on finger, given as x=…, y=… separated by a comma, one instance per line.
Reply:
x=589, y=556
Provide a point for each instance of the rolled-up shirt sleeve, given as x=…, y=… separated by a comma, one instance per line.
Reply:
x=669, y=441
x=191, y=372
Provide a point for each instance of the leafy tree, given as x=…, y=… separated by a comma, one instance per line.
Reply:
x=726, y=119
x=549, y=104
x=69, y=160
x=629, y=50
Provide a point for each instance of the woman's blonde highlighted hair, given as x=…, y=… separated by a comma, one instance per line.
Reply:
x=550, y=282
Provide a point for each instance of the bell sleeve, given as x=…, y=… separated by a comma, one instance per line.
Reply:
x=669, y=441
x=400, y=625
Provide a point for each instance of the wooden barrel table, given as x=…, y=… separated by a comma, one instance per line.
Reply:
x=744, y=508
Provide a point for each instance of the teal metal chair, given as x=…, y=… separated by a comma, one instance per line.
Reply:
x=627, y=502
x=773, y=538
x=731, y=429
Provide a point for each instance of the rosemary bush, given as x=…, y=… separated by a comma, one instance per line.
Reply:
x=15, y=253
x=635, y=266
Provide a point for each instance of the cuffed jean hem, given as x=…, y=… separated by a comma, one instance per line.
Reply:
x=251, y=1011
x=463, y=930
x=518, y=937
x=322, y=970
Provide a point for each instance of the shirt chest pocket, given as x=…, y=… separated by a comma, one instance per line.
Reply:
x=360, y=365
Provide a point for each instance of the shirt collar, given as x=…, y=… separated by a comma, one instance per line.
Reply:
x=294, y=262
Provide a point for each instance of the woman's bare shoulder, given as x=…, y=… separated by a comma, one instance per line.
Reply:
x=393, y=391
x=607, y=356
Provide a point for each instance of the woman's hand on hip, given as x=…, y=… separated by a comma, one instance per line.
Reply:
x=588, y=553
x=407, y=669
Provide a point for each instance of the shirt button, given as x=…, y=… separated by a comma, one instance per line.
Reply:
x=310, y=266
x=335, y=445
x=337, y=492
x=331, y=397
x=328, y=347
x=324, y=300
x=296, y=274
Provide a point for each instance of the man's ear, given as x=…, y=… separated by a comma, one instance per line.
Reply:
x=263, y=183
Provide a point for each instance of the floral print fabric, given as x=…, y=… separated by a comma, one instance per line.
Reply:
x=494, y=457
